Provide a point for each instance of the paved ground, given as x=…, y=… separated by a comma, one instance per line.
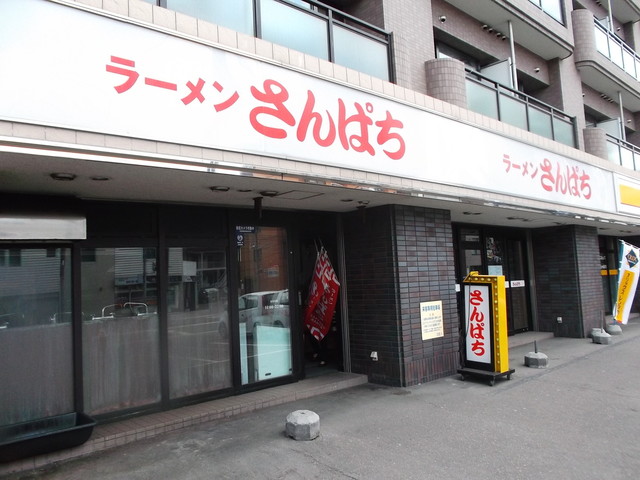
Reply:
x=577, y=419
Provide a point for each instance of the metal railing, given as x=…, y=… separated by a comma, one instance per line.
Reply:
x=623, y=153
x=490, y=98
x=612, y=47
x=307, y=26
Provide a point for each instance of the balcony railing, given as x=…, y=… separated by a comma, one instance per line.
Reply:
x=304, y=25
x=492, y=99
x=623, y=153
x=612, y=47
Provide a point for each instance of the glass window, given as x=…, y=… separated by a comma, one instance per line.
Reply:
x=263, y=304
x=121, y=355
x=513, y=111
x=236, y=15
x=198, y=319
x=553, y=8
x=540, y=122
x=36, y=378
x=482, y=99
x=360, y=53
x=293, y=28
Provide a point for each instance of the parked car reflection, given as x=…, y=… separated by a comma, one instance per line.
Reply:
x=269, y=308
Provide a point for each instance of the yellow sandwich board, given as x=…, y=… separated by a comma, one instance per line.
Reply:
x=486, y=350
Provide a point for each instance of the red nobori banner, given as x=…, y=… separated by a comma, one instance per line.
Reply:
x=323, y=296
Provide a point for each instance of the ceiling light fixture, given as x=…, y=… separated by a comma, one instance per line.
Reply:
x=63, y=177
x=219, y=189
x=100, y=179
x=269, y=193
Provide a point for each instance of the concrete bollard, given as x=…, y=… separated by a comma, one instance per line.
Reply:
x=303, y=425
x=536, y=360
x=613, y=329
x=601, y=337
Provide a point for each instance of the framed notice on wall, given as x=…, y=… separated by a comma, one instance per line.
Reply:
x=431, y=319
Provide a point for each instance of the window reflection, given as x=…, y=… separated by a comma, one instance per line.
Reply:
x=263, y=304
x=198, y=319
x=120, y=334
x=35, y=334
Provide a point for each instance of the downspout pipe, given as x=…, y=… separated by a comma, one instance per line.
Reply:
x=512, y=45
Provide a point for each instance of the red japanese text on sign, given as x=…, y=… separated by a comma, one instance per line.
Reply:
x=478, y=335
x=355, y=127
x=566, y=180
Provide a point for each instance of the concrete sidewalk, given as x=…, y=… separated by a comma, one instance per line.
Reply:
x=361, y=424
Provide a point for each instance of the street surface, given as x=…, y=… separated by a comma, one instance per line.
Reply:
x=577, y=419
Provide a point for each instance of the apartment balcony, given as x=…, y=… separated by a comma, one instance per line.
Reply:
x=492, y=99
x=538, y=25
x=606, y=63
x=623, y=153
x=304, y=25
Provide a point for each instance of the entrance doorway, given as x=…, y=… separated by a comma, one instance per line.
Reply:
x=318, y=231
x=492, y=251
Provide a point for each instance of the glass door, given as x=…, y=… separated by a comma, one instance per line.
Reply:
x=498, y=252
x=505, y=256
x=263, y=303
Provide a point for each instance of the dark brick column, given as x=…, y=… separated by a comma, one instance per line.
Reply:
x=568, y=281
x=397, y=257
x=426, y=272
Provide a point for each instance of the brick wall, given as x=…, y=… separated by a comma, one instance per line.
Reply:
x=446, y=81
x=595, y=142
x=397, y=257
x=412, y=40
x=589, y=278
x=424, y=249
x=568, y=283
x=373, y=317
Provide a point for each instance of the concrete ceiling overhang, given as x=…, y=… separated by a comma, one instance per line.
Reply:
x=527, y=32
x=610, y=80
x=125, y=176
x=625, y=11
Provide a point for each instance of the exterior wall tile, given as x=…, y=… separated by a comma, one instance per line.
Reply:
x=140, y=10
x=568, y=283
x=399, y=257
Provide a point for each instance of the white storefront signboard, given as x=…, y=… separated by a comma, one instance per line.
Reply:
x=71, y=68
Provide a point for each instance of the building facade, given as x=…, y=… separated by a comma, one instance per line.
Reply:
x=170, y=170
